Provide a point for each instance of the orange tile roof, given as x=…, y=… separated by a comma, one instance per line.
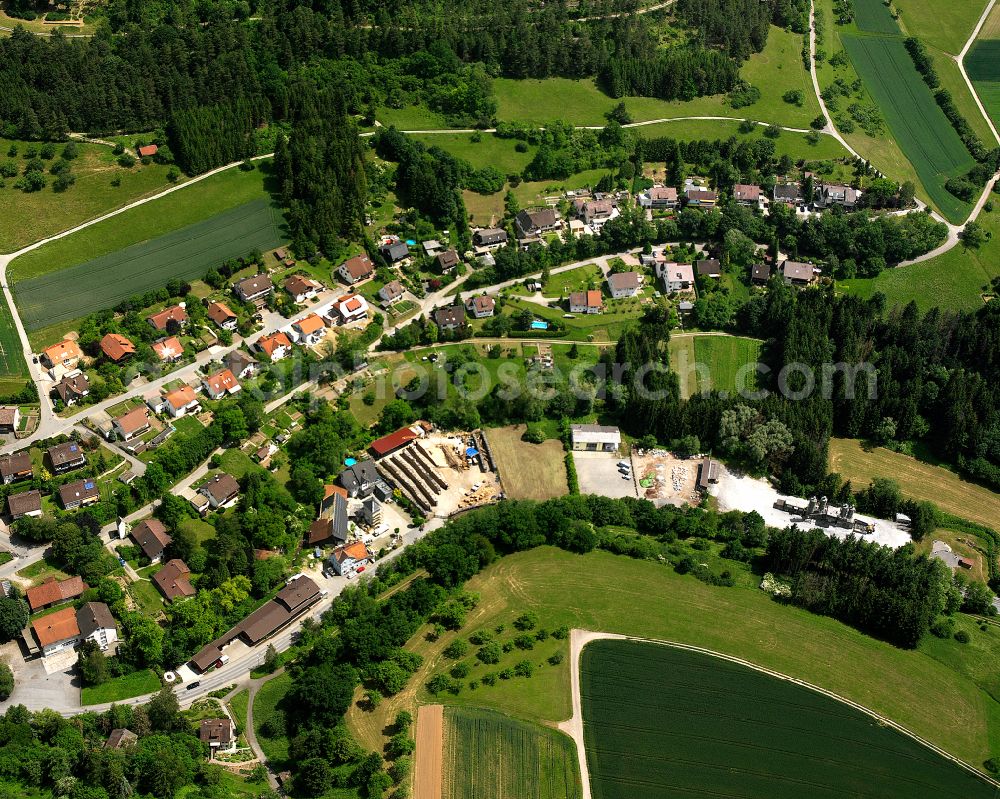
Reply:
x=56, y=627
x=329, y=491
x=221, y=382
x=63, y=351
x=220, y=313
x=55, y=591
x=148, y=149
x=135, y=419
x=168, y=348
x=355, y=551
x=116, y=347
x=270, y=343
x=180, y=397
x=175, y=312
x=310, y=324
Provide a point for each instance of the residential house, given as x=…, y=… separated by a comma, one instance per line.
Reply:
x=175, y=313
x=489, y=239
x=174, y=580
x=349, y=558
x=747, y=194
x=760, y=274
x=10, y=418
x=218, y=734
x=151, y=536
x=447, y=261
x=595, y=437
x=15, y=467
x=181, y=401
x=450, y=318
x=700, y=198
x=624, y=284
x=586, y=301
x=54, y=592
x=391, y=292
x=796, y=273
x=596, y=212
x=220, y=384
x=221, y=491
x=709, y=267
x=28, y=503
x=351, y=308
x=255, y=289
x=121, y=738
x=65, y=354
x=222, y=315
x=432, y=247
x=276, y=346
x=56, y=631
x=361, y=479
x=73, y=387
x=79, y=494
x=132, y=424
x=833, y=194
x=241, y=363
x=658, y=198
x=117, y=348
x=66, y=456
x=310, y=329
x=787, y=193
x=480, y=307
x=678, y=277
x=357, y=268
x=302, y=288
x=530, y=224
x=147, y=150
x=394, y=252
x=97, y=624
x=169, y=349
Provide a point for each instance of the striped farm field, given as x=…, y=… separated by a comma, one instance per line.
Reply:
x=713, y=362
x=982, y=63
x=913, y=117
x=185, y=253
x=488, y=755
x=660, y=721
x=872, y=16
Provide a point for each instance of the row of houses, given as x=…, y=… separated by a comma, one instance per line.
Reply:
x=750, y=195
x=70, y=627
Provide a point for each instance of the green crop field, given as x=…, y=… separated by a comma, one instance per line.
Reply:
x=667, y=722
x=186, y=253
x=872, y=16
x=13, y=369
x=562, y=283
x=490, y=756
x=982, y=63
x=912, y=115
x=949, y=31
x=706, y=362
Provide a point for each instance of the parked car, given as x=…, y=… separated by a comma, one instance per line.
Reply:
x=193, y=685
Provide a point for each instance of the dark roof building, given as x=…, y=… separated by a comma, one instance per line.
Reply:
x=489, y=237
x=760, y=273
x=152, y=538
x=253, y=288
x=532, y=223
x=450, y=318
x=94, y=616
x=221, y=489
x=73, y=387
x=216, y=732
x=394, y=251
x=447, y=260
x=66, y=456
x=15, y=467
x=28, y=503
x=173, y=580
x=120, y=738
x=709, y=267
x=79, y=493
x=360, y=479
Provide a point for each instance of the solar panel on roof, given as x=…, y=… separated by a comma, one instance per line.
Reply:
x=89, y=485
x=72, y=448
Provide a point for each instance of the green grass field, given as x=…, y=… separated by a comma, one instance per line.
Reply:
x=982, y=63
x=265, y=705
x=953, y=281
x=190, y=205
x=186, y=253
x=528, y=471
x=872, y=16
x=952, y=80
x=490, y=756
x=28, y=217
x=775, y=70
x=669, y=722
x=238, y=707
x=942, y=691
x=795, y=145
x=119, y=688
x=13, y=369
x=491, y=150
x=913, y=117
x=948, y=31
x=562, y=283
x=706, y=362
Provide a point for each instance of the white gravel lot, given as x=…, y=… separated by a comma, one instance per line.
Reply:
x=739, y=492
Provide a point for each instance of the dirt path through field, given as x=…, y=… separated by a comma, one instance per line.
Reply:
x=428, y=768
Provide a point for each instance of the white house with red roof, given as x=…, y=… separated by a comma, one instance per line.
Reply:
x=220, y=384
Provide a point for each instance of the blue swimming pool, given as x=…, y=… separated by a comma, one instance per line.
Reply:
x=349, y=461
x=538, y=325
x=410, y=242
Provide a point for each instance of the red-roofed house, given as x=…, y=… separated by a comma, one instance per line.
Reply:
x=174, y=313
x=169, y=349
x=276, y=346
x=181, y=401
x=53, y=591
x=586, y=301
x=220, y=384
x=147, y=150
x=480, y=307
x=222, y=315
x=357, y=268
x=386, y=445
x=132, y=424
x=310, y=329
x=302, y=288
x=116, y=347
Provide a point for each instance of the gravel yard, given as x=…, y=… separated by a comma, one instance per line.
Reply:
x=597, y=473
